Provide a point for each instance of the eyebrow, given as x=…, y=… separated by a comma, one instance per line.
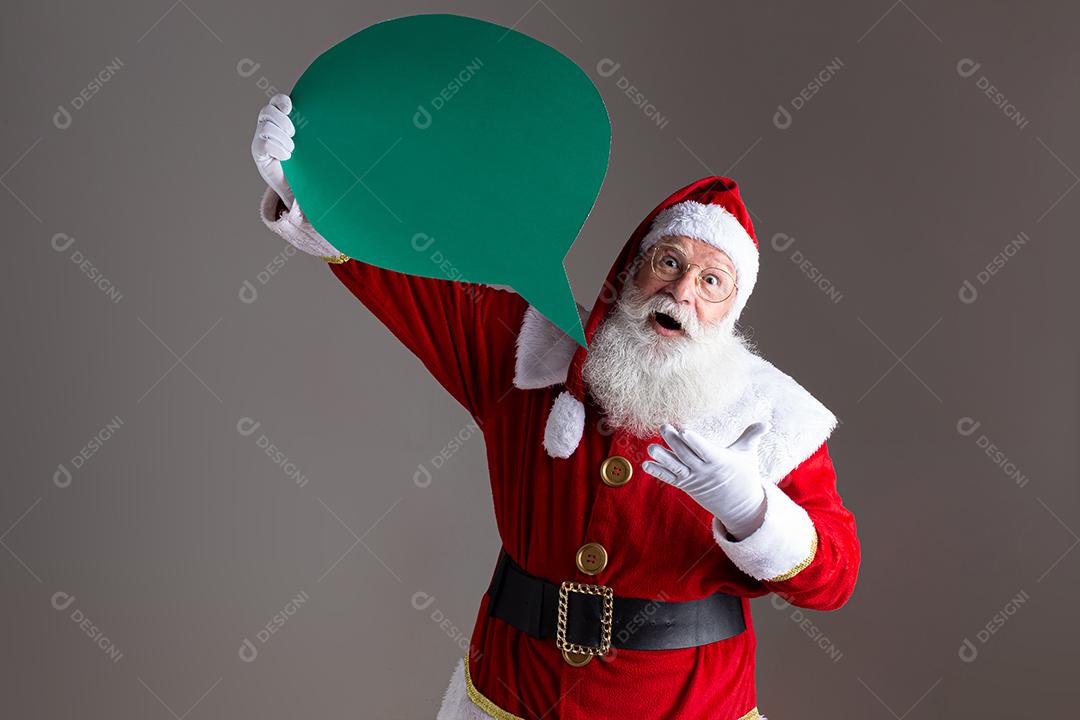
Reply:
x=726, y=263
x=721, y=261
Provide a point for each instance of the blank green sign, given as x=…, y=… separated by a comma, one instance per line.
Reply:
x=448, y=147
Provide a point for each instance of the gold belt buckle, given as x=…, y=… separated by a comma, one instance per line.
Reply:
x=608, y=596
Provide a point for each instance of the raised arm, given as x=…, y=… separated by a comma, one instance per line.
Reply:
x=463, y=333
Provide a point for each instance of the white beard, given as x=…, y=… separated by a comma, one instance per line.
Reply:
x=642, y=379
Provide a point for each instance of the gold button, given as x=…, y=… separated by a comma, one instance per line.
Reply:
x=616, y=471
x=575, y=658
x=591, y=558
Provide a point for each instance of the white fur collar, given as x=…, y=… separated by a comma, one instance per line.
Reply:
x=800, y=422
x=544, y=351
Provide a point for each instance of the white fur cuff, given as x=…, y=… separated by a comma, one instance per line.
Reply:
x=785, y=543
x=293, y=226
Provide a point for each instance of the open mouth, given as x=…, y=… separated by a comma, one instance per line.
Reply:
x=667, y=322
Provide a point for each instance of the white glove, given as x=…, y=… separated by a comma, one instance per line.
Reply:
x=724, y=481
x=273, y=143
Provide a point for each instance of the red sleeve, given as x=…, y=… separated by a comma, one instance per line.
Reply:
x=464, y=333
x=828, y=580
x=806, y=550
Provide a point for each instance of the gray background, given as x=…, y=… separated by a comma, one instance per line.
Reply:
x=899, y=180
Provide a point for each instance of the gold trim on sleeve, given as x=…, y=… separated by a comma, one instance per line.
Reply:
x=335, y=259
x=801, y=566
x=481, y=700
x=752, y=715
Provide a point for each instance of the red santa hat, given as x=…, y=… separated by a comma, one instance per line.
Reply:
x=709, y=209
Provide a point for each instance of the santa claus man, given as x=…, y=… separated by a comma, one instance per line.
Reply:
x=644, y=489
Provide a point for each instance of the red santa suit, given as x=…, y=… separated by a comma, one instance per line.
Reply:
x=519, y=377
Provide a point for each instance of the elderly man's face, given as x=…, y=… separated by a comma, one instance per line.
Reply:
x=664, y=353
x=684, y=290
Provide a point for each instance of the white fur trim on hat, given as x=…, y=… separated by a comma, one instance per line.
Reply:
x=565, y=424
x=714, y=224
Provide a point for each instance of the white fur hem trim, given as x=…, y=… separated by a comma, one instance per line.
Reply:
x=456, y=704
x=565, y=424
x=293, y=226
x=785, y=543
x=542, y=359
x=714, y=224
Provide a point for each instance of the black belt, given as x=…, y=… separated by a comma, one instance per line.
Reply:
x=587, y=618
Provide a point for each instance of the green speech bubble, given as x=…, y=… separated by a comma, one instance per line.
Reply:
x=449, y=147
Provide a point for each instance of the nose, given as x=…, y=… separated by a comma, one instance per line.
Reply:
x=683, y=289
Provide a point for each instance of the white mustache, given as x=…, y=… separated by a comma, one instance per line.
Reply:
x=642, y=379
x=667, y=305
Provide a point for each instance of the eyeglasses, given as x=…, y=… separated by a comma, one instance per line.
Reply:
x=669, y=263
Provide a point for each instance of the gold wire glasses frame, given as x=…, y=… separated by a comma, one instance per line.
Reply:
x=669, y=264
